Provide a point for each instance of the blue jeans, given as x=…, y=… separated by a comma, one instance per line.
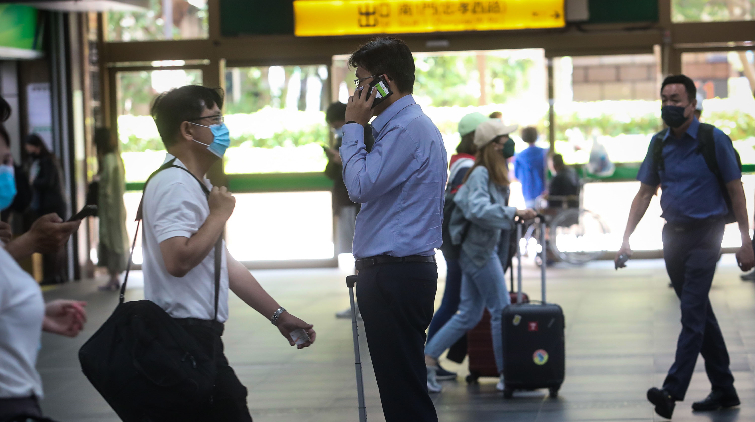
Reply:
x=451, y=297
x=481, y=287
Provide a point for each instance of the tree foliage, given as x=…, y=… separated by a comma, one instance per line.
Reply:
x=712, y=10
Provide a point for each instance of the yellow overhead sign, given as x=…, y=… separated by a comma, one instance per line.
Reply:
x=363, y=17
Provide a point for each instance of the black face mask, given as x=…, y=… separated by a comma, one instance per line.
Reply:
x=509, y=149
x=673, y=116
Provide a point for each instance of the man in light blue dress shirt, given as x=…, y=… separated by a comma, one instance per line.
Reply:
x=400, y=184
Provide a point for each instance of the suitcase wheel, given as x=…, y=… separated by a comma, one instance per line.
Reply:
x=553, y=392
x=508, y=392
x=472, y=378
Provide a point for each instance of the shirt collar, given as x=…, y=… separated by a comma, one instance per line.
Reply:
x=691, y=130
x=382, y=120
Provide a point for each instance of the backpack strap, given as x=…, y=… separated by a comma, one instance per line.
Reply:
x=657, y=148
x=139, y=216
x=707, y=147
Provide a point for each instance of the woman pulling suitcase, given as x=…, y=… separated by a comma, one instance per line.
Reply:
x=482, y=224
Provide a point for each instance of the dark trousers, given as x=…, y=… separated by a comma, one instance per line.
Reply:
x=229, y=395
x=691, y=254
x=396, y=302
x=20, y=409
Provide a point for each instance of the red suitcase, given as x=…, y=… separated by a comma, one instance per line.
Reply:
x=480, y=343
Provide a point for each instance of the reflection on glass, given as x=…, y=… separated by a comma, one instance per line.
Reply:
x=164, y=20
x=726, y=80
x=712, y=10
x=451, y=85
x=276, y=119
x=142, y=149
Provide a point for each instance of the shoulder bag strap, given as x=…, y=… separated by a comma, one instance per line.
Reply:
x=218, y=244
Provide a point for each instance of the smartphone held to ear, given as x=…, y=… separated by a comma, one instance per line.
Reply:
x=383, y=90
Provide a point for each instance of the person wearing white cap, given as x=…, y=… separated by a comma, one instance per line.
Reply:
x=699, y=107
x=460, y=164
x=482, y=223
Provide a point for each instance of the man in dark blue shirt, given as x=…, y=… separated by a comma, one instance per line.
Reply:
x=694, y=208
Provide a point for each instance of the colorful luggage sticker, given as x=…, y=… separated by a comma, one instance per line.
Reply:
x=517, y=319
x=532, y=326
x=540, y=357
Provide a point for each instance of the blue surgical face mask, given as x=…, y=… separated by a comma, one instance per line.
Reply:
x=221, y=139
x=7, y=186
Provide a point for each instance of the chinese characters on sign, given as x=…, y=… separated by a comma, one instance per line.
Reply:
x=363, y=17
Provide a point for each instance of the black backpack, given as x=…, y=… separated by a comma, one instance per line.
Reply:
x=706, y=147
x=143, y=363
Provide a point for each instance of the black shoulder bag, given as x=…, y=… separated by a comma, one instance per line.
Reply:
x=143, y=363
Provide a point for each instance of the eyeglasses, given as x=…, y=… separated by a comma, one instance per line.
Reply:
x=215, y=119
x=358, y=81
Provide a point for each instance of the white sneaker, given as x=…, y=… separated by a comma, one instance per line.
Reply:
x=432, y=383
x=501, y=385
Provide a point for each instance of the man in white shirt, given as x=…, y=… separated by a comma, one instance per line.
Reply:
x=181, y=227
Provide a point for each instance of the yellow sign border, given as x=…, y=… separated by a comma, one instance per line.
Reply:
x=313, y=18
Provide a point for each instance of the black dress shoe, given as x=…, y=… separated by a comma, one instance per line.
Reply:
x=664, y=403
x=717, y=399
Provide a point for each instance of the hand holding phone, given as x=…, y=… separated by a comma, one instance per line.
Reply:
x=87, y=211
x=382, y=90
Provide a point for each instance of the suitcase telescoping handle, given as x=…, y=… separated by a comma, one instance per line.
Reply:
x=540, y=220
x=350, y=282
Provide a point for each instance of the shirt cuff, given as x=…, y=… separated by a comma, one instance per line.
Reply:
x=353, y=133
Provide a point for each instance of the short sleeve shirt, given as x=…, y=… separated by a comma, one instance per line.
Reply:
x=22, y=310
x=690, y=191
x=176, y=206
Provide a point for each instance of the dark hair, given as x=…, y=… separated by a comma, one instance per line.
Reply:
x=496, y=115
x=467, y=146
x=35, y=140
x=336, y=112
x=529, y=134
x=179, y=105
x=558, y=161
x=390, y=56
x=689, y=85
x=103, y=141
x=5, y=110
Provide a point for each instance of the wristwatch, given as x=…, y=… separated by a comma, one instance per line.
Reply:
x=276, y=315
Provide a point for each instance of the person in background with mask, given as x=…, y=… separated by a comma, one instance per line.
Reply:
x=113, y=240
x=699, y=107
x=483, y=233
x=694, y=208
x=48, y=233
x=181, y=228
x=47, y=197
x=344, y=209
x=23, y=313
x=459, y=165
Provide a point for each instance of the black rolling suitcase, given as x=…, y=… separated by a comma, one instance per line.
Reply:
x=533, y=340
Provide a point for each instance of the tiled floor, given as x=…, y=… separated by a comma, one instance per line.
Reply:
x=621, y=330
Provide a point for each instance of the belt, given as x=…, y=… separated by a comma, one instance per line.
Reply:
x=214, y=325
x=370, y=261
